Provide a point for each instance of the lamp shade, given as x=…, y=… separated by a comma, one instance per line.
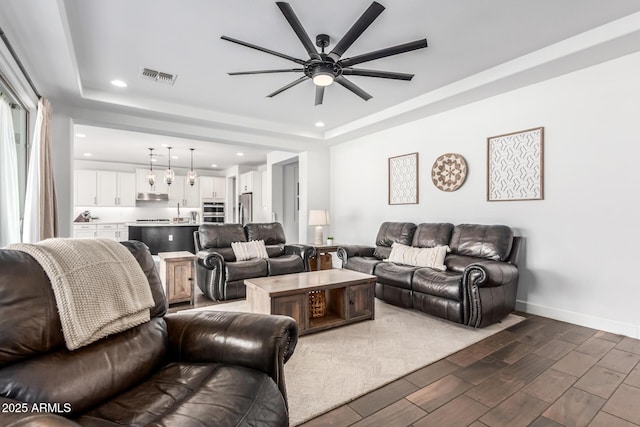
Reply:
x=318, y=217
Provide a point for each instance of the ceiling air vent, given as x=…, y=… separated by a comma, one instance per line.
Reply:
x=157, y=76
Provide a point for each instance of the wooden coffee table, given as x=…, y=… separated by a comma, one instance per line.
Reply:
x=348, y=295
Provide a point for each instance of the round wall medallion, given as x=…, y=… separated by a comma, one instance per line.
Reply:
x=449, y=172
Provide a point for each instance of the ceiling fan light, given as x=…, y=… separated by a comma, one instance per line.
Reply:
x=322, y=79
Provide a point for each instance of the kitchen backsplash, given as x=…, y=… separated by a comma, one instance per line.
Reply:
x=130, y=214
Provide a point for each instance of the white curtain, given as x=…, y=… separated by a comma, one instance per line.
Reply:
x=9, y=197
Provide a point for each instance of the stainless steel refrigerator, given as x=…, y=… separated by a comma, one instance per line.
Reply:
x=245, y=208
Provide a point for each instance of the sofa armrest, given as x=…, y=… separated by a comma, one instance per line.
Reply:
x=20, y=414
x=256, y=341
x=489, y=292
x=346, y=252
x=490, y=273
x=305, y=252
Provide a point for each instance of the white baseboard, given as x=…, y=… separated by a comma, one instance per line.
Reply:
x=607, y=325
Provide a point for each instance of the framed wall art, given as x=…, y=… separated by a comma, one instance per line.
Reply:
x=449, y=172
x=403, y=179
x=515, y=166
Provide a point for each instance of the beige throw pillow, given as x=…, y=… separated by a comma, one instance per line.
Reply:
x=249, y=250
x=419, y=257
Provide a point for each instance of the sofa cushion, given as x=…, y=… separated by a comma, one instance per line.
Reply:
x=220, y=235
x=429, y=235
x=419, y=257
x=89, y=375
x=272, y=232
x=249, y=250
x=195, y=394
x=400, y=232
x=240, y=270
x=382, y=252
x=443, y=284
x=395, y=274
x=482, y=241
x=275, y=250
x=285, y=264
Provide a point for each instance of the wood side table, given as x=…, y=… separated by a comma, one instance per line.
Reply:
x=177, y=273
x=321, y=249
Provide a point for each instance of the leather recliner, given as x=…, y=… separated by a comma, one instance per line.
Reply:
x=478, y=286
x=205, y=368
x=221, y=277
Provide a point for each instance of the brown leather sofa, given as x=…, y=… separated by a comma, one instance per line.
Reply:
x=478, y=286
x=221, y=277
x=205, y=368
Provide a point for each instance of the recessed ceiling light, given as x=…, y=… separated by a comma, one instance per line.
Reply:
x=214, y=166
x=174, y=157
x=80, y=135
x=118, y=83
x=319, y=124
x=87, y=154
x=165, y=145
x=240, y=154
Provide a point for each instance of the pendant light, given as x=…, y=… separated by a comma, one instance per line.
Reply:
x=169, y=174
x=151, y=176
x=192, y=175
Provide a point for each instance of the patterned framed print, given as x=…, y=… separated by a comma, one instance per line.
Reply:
x=403, y=179
x=515, y=166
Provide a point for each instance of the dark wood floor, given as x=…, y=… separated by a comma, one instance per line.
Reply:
x=540, y=372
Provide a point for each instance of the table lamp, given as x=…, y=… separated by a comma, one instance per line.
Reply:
x=318, y=218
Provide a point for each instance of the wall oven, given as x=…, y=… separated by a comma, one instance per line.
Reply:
x=212, y=211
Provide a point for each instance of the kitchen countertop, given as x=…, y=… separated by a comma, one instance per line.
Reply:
x=162, y=224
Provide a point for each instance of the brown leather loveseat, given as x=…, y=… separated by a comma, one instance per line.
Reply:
x=478, y=286
x=205, y=368
x=221, y=277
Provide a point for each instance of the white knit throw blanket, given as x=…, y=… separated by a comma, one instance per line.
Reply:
x=100, y=288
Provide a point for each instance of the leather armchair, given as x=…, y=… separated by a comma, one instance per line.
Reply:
x=221, y=277
x=208, y=368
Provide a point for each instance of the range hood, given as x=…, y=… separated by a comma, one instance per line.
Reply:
x=152, y=197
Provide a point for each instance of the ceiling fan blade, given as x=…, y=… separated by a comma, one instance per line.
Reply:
x=289, y=86
x=288, y=70
x=263, y=49
x=295, y=23
x=352, y=87
x=319, y=95
x=376, y=73
x=383, y=53
x=356, y=30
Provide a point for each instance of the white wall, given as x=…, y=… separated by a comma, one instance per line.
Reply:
x=314, y=168
x=581, y=241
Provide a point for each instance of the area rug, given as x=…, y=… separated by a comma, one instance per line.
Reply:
x=331, y=368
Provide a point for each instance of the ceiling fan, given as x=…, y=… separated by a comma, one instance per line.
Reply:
x=325, y=68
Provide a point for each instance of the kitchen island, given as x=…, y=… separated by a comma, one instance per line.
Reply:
x=164, y=236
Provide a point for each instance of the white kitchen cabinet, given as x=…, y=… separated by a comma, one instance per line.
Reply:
x=107, y=231
x=176, y=191
x=116, y=188
x=250, y=182
x=84, y=231
x=126, y=189
x=192, y=194
x=212, y=187
x=113, y=231
x=104, y=188
x=181, y=192
x=85, y=188
x=142, y=183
